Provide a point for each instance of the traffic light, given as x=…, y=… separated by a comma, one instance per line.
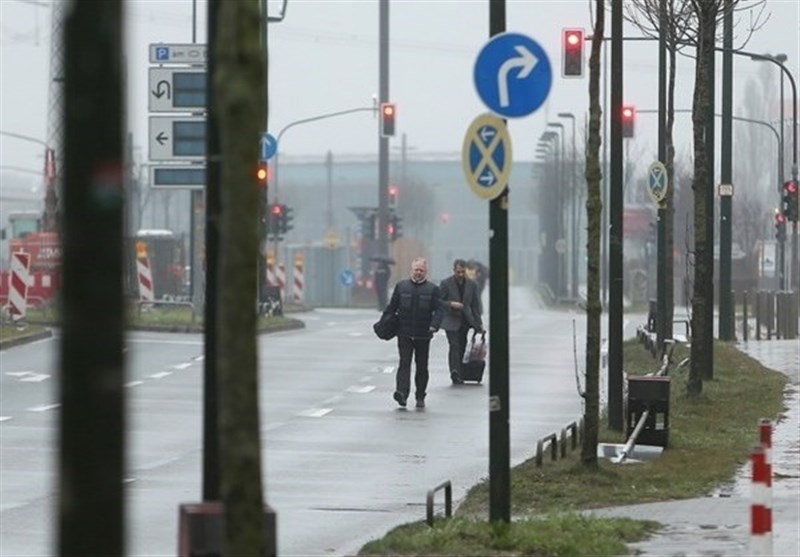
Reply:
x=262, y=174
x=393, y=195
x=288, y=219
x=275, y=217
x=572, y=52
x=789, y=201
x=388, y=114
x=394, y=230
x=628, y=120
x=780, y=227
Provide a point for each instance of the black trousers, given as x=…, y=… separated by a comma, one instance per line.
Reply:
x=457, y=342
x=420, y=349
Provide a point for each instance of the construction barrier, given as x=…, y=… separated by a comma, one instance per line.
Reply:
x=298, y=281
x=18, y=282
x=761, y=494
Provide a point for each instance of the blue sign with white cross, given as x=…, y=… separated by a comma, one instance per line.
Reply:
x=268, y=146
x=347, y=278
x=513, y=75
x=486, y=156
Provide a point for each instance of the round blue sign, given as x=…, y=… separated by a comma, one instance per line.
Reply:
x=268, y=146
x=513, y=75
x=347, y=278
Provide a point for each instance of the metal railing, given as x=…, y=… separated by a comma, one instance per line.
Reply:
x=448, y=501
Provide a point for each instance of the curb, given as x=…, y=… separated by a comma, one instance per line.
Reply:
x=24, y=339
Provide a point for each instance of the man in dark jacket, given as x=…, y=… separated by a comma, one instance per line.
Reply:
x=462, y=310
x=418, y=305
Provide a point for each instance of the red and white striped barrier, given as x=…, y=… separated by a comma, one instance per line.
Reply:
x=276, y=275
x=146, y=289
x=18, y=282
x=298, y=281
x=761, y=497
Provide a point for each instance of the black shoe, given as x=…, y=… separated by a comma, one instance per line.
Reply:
x=401, y=400
x=420, y=403
x=455, y=377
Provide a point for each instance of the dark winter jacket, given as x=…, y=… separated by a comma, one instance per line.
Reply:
x=418, y=306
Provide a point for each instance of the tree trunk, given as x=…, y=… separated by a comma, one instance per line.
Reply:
x=239, y=95
x=706, y=20
x=594, y=208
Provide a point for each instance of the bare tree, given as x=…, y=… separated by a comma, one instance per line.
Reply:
x=594, y=209
x=239, y=100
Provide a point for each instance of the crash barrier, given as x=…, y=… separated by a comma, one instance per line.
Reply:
x=572, y=431
x=201, y=530
x=648, y=407
x=761, y=502
x=649, y=339
x=774, y=314
x=271, y=303
x=141, y=303
x=448, y=501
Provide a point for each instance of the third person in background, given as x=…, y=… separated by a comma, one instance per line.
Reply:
x=462, y=310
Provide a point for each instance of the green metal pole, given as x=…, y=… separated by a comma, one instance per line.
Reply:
x=726, y=193
x=499, y=443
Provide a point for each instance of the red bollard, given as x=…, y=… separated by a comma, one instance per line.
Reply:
x=761, y=496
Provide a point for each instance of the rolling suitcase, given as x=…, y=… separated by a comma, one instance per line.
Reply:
x=474, y=362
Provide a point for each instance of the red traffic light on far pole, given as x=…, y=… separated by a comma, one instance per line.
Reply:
x=388, y=115
x=628, y=120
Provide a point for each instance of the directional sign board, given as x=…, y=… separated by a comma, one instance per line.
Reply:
x=174, y=138
x=512, y=75
x=163, y=53
x=486, y=156
x=177, y=89
x=657, y=182
x=268, y=146
x=178, y=176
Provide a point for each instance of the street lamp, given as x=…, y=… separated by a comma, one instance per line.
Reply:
x=573, y=208
x=562, y=271
x=779, y=60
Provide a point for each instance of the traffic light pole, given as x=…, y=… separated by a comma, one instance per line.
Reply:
x=383, y=142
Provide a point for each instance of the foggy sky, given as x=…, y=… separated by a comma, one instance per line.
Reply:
x=324, y=58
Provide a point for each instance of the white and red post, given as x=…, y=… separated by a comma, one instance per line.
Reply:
x=761, y=498
x=18, y=282
x=298, y=280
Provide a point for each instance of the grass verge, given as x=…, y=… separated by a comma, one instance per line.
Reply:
x=710, y=437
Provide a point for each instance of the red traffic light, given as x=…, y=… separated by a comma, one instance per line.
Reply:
x=276, y=209
x=628, y=120
x=388, y=114
x=790, y=186
x=779, y=218
x=572, y=52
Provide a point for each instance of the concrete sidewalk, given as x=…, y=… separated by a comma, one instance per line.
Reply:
x=720, y=524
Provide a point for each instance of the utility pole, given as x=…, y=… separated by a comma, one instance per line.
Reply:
x=383, y=142
x=615, y=264
x=726, y=180
x=663, y=328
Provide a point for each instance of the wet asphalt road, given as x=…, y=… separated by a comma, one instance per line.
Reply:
x=342, y=464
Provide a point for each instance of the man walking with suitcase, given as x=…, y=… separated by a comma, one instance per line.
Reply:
x=463, y=309
x=418, y=306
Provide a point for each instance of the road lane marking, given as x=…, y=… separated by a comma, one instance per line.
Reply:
x=357, y=389
x=182, y=366
x=44, y=407
x=332, y=400
x=28, y=376
x=389, y=369
x=4, y=418
x=134, y=383
x=161, y=375
x=315, y=412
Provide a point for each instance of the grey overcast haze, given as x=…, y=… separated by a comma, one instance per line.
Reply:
x=324, y=58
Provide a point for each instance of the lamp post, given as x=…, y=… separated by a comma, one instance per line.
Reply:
x=562, y=271
x=779, y=61
x=551, y=138
x=573, y=209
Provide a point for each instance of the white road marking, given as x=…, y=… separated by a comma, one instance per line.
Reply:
x=389, y=369
x=134, y=383
x=332, y=400
x=28, y=376
x=356, y=334
x=357, y=389
x=182, y=366
x=4, y=418
x=314, y=412
x=161, y=375
x=198, y=358
x=44, y=407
